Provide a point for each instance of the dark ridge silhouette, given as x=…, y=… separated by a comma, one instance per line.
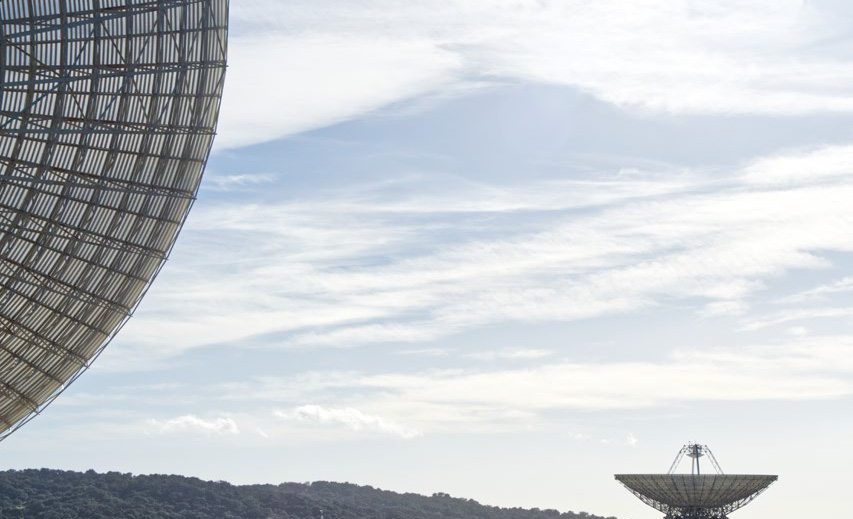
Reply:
x=55, y=494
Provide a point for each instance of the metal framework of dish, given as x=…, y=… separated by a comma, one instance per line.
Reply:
x=108, y=110
x=696, y=495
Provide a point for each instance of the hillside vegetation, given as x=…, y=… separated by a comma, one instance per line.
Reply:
x=54, y=494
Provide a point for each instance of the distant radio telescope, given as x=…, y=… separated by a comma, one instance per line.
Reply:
x=107, y=113
x=696, y=495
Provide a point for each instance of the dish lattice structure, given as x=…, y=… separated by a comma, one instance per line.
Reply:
x=696, y=495
x=108, y=109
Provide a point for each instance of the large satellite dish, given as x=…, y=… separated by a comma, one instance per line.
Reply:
x=107, y=113
x=696, y=495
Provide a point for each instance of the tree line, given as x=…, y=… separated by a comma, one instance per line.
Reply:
x=55, y=494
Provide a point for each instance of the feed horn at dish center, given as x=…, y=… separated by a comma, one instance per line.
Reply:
x=696, y=495
x=108, y=109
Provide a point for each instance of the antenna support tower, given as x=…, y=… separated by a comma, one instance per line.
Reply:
x=695, y=451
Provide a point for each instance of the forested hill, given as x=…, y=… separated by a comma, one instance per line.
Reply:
x=54, y=494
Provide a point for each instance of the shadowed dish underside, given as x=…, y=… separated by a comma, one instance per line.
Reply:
x=107, y=113
x=696, y=495
x=669, y=492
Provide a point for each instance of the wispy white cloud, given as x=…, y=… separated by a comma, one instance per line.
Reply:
x=808, y=166
x=305, y=65
x=512, y=354
x=798, y=331
x=348, y=417
x=193, y=424
x=236, y=182
x=285, y=83
x=425, y=352
x=489, y=399
x=769, y=373
x=790, y=316
x=303, y=273
x=840, y=286
x=718, y=308
x=299, y=387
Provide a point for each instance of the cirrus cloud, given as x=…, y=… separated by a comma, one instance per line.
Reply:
x=305, y=65
x=193, y=424
x=348, y=417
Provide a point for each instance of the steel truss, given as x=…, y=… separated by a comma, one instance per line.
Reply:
x=695, y=451
x=108, y=109
x=729, y=494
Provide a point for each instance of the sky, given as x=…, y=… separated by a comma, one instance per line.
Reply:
x=502, y=249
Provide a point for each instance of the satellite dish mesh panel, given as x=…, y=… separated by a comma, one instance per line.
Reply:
x=107, y=113
x=696, y=495
x=715, y=495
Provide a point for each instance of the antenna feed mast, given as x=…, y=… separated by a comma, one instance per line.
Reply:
x=694, y=451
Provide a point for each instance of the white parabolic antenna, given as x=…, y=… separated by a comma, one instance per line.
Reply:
x=696, y=495
x=107, y=113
